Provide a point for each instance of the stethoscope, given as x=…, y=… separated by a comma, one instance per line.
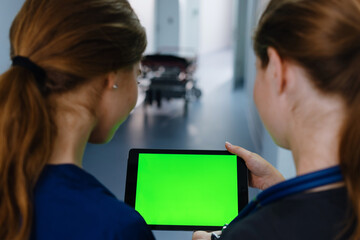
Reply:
x=287, y=188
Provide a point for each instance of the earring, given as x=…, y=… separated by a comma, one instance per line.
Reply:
x=115, y=86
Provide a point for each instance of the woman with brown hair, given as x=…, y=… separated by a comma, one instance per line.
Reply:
x=72, y=81
x=307, y=91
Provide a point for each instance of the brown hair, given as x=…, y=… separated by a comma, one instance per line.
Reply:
x=323, y=36
x=73, y=41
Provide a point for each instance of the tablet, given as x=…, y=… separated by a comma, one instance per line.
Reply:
x=186, y=189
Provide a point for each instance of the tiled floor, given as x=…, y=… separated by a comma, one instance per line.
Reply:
x=217, y=117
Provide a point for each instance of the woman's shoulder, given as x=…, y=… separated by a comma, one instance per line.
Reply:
x=122, y=222
x=318, y=215
x=71, y=203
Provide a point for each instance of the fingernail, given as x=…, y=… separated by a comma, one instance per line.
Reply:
x=228, y=144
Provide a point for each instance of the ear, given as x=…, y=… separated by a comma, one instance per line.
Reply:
x=275, y=71
x=111, y=79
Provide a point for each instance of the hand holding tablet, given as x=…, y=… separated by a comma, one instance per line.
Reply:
x=186, y=189
x=261, y=173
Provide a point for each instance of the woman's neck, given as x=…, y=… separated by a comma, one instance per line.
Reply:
x=73, y=132
x=315, y=136
x=315, y=151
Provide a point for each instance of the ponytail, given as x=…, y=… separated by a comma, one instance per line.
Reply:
x=26, y=139
x=72, y=41
x=350, y=162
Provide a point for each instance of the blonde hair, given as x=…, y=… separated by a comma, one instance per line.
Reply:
x=72, y=41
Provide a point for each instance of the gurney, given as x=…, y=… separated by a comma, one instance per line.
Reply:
x=169, y=77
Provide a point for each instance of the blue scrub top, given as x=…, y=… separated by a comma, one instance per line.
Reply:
x=69, y=203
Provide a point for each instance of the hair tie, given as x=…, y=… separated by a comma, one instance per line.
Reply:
x=38, y=72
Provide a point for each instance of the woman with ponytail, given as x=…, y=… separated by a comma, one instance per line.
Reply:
x=307, y=91
x=72, y=81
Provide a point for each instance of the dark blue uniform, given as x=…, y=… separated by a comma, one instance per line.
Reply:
x=320, y=215
x=72, y=204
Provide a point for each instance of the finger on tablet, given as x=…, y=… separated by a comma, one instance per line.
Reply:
x=241, y=152
x=262, y=173
x=253, y=161
x=202, y=235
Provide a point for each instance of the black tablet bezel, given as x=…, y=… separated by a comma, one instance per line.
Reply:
x=131, y=181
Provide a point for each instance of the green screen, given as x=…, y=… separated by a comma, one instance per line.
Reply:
x=186, y=189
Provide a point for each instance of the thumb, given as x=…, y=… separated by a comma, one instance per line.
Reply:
x=262, y=173
x=256, y=164
x=201, y=235
x=241, y=152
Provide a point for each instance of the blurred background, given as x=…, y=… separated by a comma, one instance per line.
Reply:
x=196, y=90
